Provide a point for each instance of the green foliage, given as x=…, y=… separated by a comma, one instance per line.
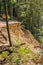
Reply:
x=21, y=51
x=40, y=39
x=13, y=1
x=4, y=54
x=8, y=17
x=11, y=49
x=15, y=59
x=18, y=42
x=30, y=13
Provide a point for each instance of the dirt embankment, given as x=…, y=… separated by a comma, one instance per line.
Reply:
x=24, y=39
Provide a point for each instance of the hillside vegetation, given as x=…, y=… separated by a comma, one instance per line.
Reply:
x=29, y=12
x=21, y=32
x=23, y=44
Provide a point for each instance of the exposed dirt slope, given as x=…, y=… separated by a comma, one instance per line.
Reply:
x=22, y=38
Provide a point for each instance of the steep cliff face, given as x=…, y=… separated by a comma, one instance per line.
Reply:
x=23, y=40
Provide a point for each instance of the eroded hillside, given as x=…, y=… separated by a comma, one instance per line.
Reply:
x=26, y=50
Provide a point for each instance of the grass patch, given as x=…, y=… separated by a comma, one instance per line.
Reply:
x=4, y=54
